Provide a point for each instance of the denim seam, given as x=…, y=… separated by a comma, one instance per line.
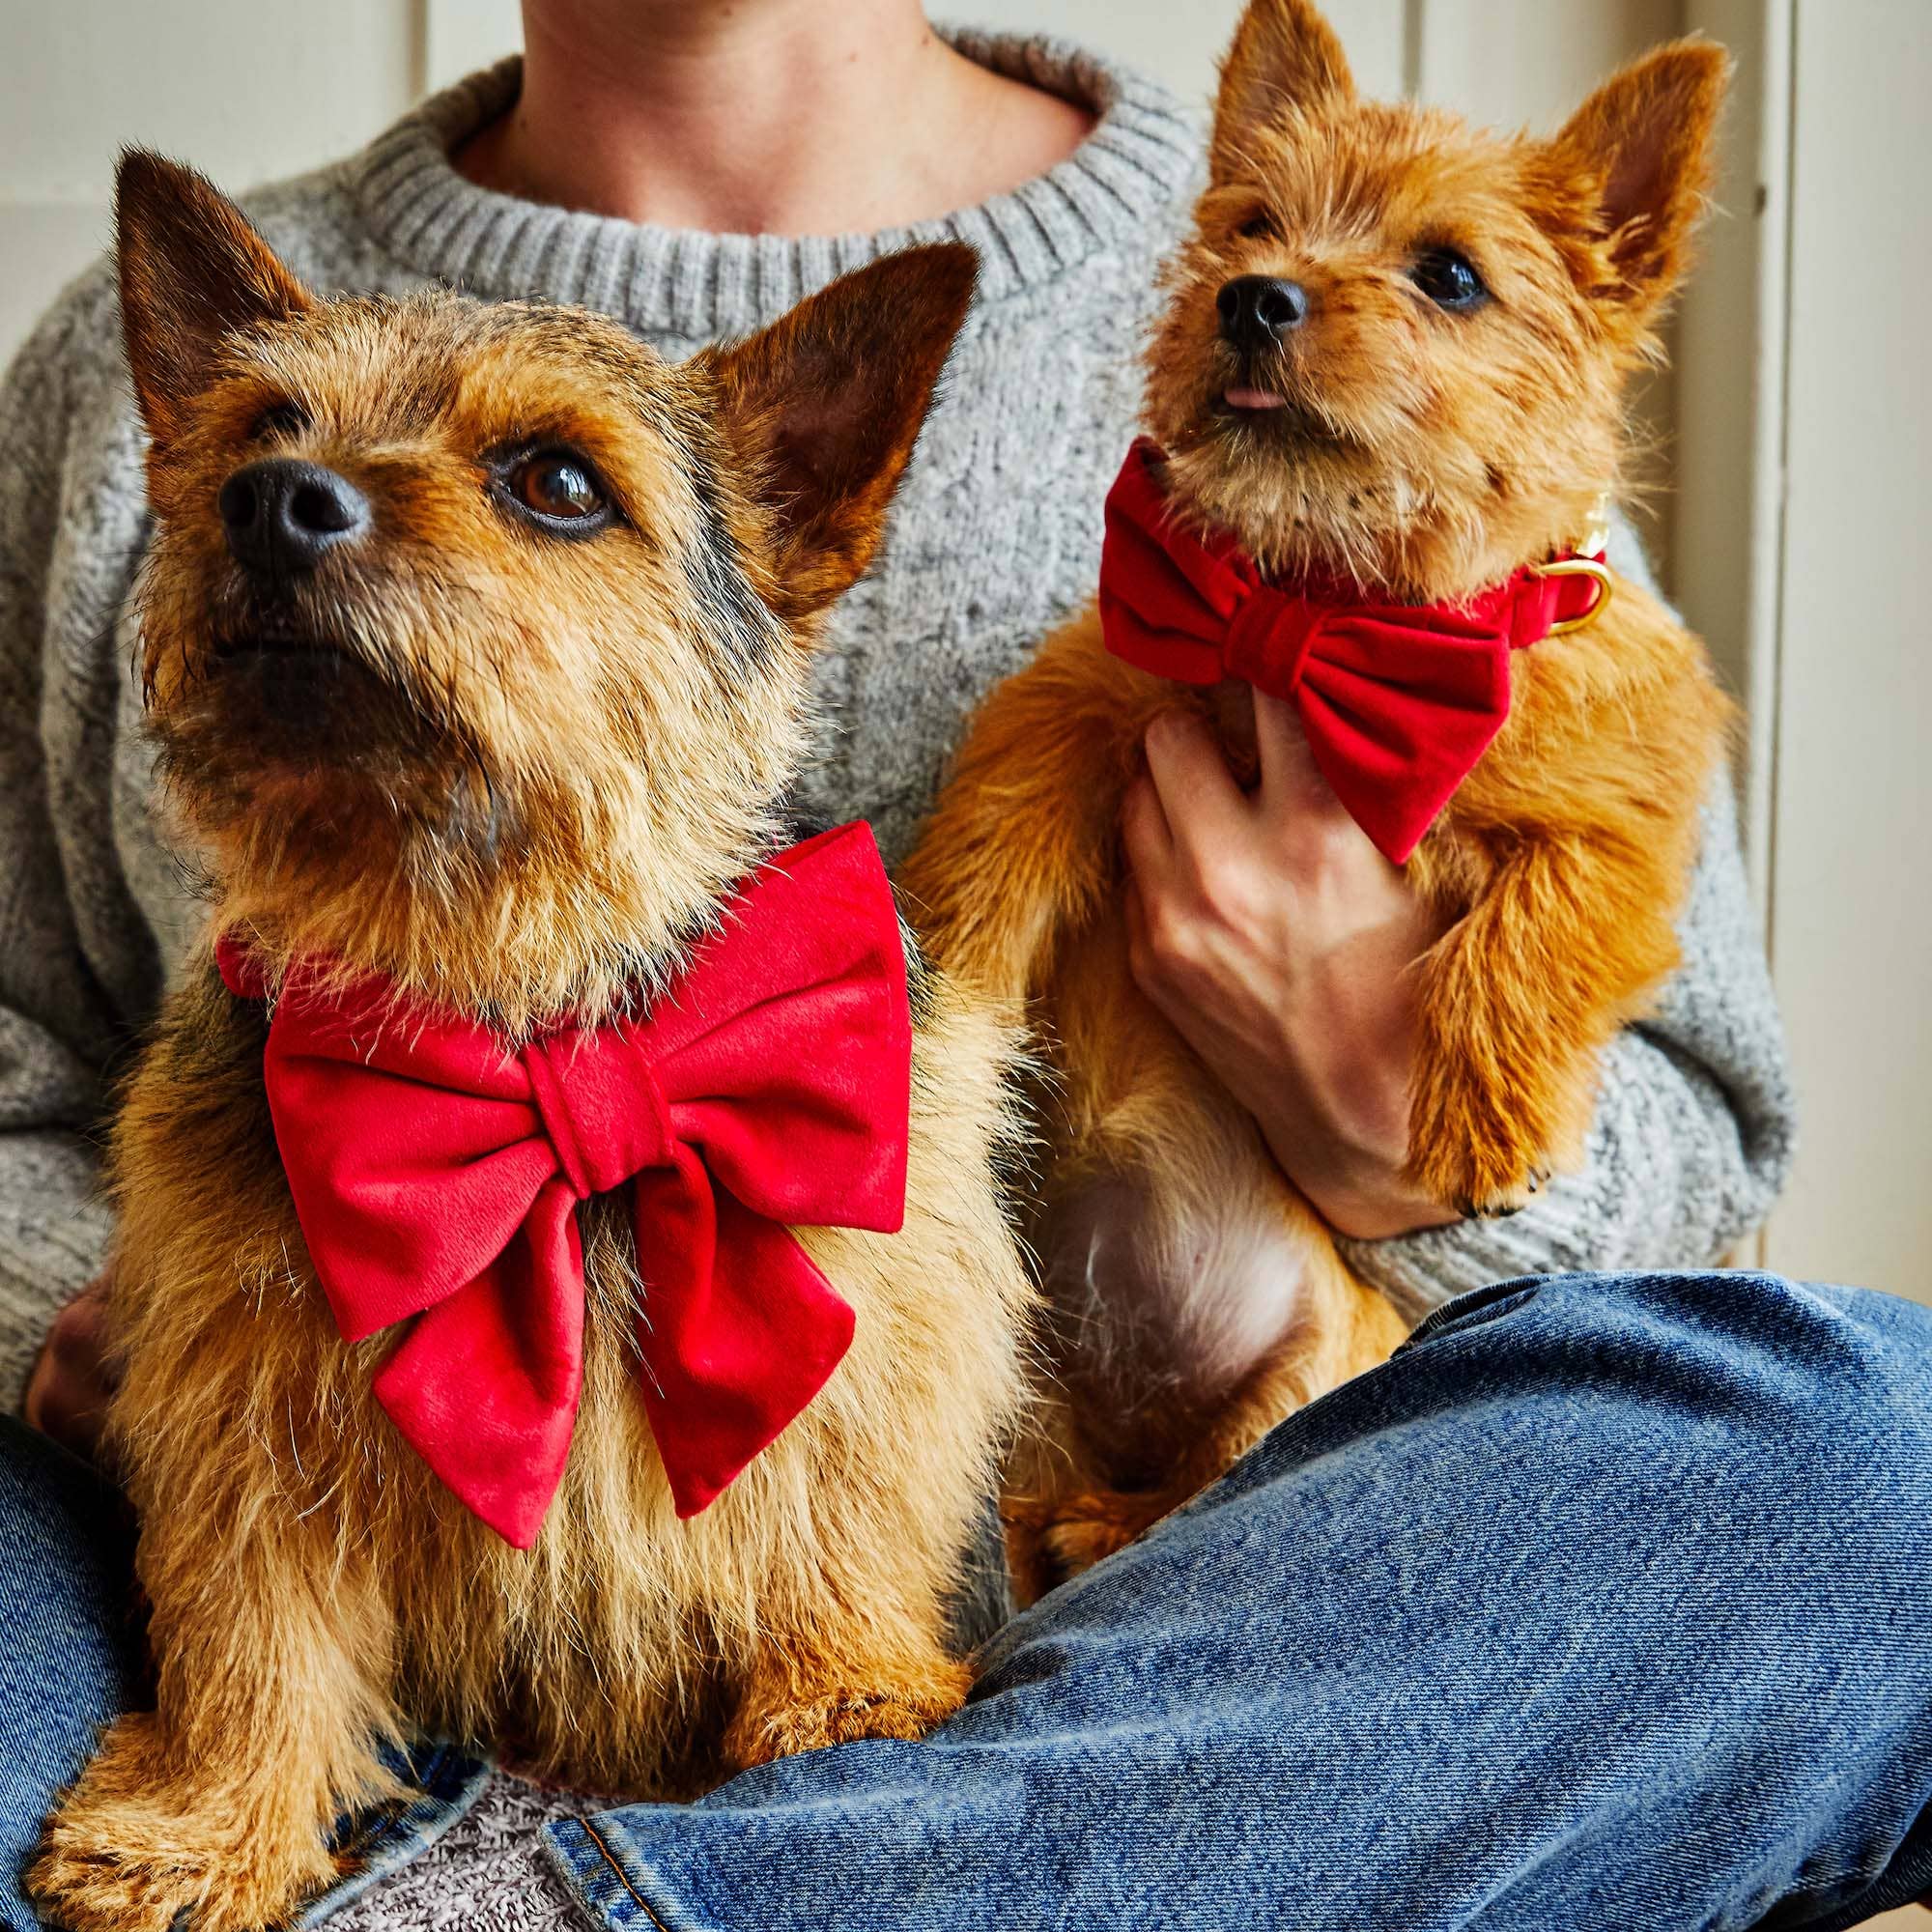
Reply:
x=580, y=1868
x=623, y=1877
x=447, y=1783
x=1474, y=1310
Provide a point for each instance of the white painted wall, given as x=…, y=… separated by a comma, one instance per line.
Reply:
x=246, y=92
x=1801, y=409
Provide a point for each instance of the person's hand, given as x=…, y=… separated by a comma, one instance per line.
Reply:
x=68, y=1392
x=1280, y=943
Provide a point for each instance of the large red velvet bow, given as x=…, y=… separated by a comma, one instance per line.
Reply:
x=1399, y=700
x=436, y=1173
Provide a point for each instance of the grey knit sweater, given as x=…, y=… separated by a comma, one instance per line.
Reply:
x=995, y=538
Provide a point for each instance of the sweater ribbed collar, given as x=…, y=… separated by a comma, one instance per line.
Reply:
x=1139, y=158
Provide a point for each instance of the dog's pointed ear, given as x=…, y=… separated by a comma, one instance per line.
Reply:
x=1285, y=55
x=822, y=409
x=1648, y=138
x=192, y=272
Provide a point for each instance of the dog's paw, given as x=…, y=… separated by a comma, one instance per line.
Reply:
x=1050, y=1543
x=1486, y=1152
x=128, y=1875
x=122, y=1852
x=1502, y=1205
x=88, y=1884
x=1481, y=1179
x=846, y=1714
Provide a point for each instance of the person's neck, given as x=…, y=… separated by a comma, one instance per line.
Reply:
x=777, y=117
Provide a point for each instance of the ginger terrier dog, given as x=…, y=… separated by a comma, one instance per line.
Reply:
x=562, y=1281
x=1383, y=412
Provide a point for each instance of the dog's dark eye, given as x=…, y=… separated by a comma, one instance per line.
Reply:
x=1448, y=281
x=558, y=488
x=283, y=419
x=1259, y=227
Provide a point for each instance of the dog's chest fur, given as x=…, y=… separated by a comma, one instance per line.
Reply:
x=604, y=1656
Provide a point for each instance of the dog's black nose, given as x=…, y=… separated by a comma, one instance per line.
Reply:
x=1257, y=310
x=281, y=515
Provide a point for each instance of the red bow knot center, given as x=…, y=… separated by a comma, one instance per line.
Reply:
x=602, y=1107
x=1269, y=640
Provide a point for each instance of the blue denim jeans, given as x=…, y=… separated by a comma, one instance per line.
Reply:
x=1608, y=1603
x=71, y=1658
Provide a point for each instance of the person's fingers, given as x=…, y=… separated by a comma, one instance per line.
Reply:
x=83, y=1326
x=74, y=1377
x=1205, y=809
x=1146, y=839
x=69, y=1412
x=1291, y=781
x=40, y=1387
x=1139, y=958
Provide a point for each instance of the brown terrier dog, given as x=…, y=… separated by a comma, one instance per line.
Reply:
x=1391, y=370
x=500, y=710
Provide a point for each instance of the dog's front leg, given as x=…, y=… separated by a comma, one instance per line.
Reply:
x=805, y=1693
x=273, y=1653
x=858, y=1657
x=1518, y=1001
x=1022, y=846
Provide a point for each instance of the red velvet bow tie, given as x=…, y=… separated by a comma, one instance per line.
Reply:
x=436, y=1174
x=1399, y=700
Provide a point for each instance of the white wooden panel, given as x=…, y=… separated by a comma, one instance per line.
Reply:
x=1728, y=510
x=1374, y=33
x=43, y=244
x=1851, y=912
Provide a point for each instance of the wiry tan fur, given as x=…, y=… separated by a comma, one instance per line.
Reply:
x=541, y=761
x=1424, y=455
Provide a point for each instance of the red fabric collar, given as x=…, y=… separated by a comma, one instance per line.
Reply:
x=1399, y=700
x=436, y=1174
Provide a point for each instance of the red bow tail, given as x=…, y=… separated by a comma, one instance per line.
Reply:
x=742, y=1346
x=484, y=1386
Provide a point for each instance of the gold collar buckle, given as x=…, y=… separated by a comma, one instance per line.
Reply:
x=1595, y=538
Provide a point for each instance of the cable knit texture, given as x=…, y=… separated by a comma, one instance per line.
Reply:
x=995, y=538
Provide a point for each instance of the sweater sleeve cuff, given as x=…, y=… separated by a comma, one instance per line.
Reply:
x=1421, y=1271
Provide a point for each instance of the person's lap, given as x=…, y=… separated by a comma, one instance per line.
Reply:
x=1605, y=1603
x=70, y=1656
